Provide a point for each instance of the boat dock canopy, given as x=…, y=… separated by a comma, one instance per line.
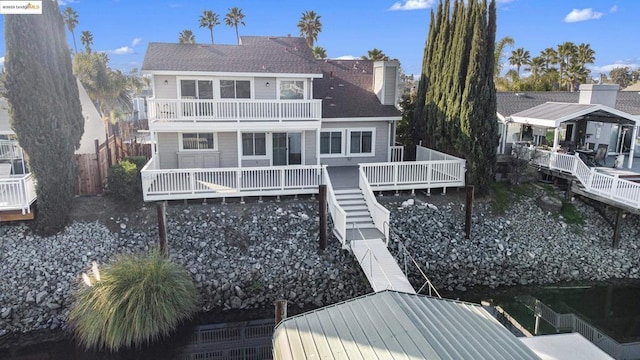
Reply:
x=396, y=325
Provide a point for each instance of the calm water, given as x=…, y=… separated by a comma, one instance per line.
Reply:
x=615, y=309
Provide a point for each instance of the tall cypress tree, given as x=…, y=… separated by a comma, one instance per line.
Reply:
x=45, y=108
x=456, y=100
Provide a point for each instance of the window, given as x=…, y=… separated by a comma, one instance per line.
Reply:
x=292, y=89
x=196, y=89
x=198, y=141
x=361, y=142
x=254, y=144
x=331, y=142
x=235, y=89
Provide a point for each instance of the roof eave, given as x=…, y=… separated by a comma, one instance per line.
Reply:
x=226, y=73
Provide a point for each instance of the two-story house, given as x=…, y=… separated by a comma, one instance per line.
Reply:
x=265, y=118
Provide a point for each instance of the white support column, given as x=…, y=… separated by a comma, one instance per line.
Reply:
x=318, y=146
x=634, y=139
x=239, y=136
x=555, y=139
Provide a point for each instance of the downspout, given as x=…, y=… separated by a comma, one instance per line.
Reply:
x=634, y=139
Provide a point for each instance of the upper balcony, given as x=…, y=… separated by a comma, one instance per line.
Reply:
x=181, y=111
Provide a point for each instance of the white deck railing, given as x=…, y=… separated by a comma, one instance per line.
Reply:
x=173, y=184
x=10, y=150
x=338, y=215
x=415, y=174
x=379, y=213
x=574, y=323
x=396, y=153
x=605, y=185
x=17, y=192
x=426, y=154
x=232, y=110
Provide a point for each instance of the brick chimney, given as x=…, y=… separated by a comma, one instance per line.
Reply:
x=604, y=94
x=386, y=81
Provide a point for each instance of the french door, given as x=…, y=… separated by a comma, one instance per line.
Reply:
x=287, y=148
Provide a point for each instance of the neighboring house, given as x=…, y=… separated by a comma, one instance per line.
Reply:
x=615, y=135
x=17, y=187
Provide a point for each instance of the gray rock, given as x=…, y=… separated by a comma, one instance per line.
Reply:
x=549, y=203
x=41, y=296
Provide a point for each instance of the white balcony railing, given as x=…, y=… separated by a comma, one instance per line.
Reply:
x=17, y=192
x=233, y=110
x=379, y=213
x=396, y=153
x=338, y=214
x=408, y=175
x=173, y=184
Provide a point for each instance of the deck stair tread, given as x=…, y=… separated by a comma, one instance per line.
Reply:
x=379, y=266
x=358, y=219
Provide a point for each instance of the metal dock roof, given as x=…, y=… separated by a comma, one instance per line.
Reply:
x=394, y=325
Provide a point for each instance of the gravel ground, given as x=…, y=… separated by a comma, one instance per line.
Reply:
x=247, y=256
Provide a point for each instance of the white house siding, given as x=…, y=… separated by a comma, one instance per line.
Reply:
x=381, y=143
x=310, y=148
x=228, y=148
x=168, y=148
x=162, y=91
x=256, y=163
x=264, y=92
x=390, y=85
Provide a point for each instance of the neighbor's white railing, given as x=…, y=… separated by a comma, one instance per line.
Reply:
x=574, y=323
x=379, y=213
x=17, y=192
x=605, y=185
x=426, y=154
x=415, y=174
x=170, y=184
x=10, y=150
x=396, y=153
x=338, y=214
x=234, y=110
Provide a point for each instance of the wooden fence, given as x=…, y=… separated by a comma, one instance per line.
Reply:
x=93, y=168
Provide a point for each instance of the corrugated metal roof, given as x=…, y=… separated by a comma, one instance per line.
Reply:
x=510, y=103
x=552, y=114
x=394, y=325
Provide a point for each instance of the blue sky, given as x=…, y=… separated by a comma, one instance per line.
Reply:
x=123, y=28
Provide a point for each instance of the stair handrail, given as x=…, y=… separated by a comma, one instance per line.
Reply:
x=338, y=214
x=428, y=282
x=379, y=213
x=372, y=256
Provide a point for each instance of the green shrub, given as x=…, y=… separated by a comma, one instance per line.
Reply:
x=139, y=161
x=135, y=300
x=123, y=181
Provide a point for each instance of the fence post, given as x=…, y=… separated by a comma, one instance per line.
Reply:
x=322, y=203
x=281, y=310
x=161, y=210
x=97, y=145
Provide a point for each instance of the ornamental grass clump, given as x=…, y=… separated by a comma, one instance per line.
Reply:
x=135, y=300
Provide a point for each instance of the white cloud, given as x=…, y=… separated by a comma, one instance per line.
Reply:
x=412, y=5
x=577, y=15
x=136, y=41
x=346, y=57
x=1, y=62
x=125, y=50
x=605, y=69
x=66, y=2
x=613, y=9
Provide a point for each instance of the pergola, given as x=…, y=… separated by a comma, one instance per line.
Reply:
x=553, y=114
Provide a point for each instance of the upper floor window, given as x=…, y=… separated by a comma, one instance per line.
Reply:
x=196, y=89
x=198, y=141
x=235, y=89
x=292, y=89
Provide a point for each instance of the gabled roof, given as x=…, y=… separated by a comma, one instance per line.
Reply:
x=394, y=325
x=346, y=90
x=552, y=114
x=510, y=103
x=256, y=54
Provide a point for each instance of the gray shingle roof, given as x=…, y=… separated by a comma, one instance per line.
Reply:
x=394, y=325
x=257, y=54
x=510, y=103
x=346, y=90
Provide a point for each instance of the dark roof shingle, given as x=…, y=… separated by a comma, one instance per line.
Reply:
x=346, y=90
x=257, y=54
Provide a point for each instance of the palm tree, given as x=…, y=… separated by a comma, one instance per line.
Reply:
x=536, y=66
x=585, y=54
x=500, y=45
x=550, y=56
x=186, y=37
x=574, y=74
x=375, y=55
x=519, y=57
x=234, y=18
x=209, y=19
x=70, y=17
x=310, y=26
x=565, y=51
x=86, y=38
x=319, y=52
